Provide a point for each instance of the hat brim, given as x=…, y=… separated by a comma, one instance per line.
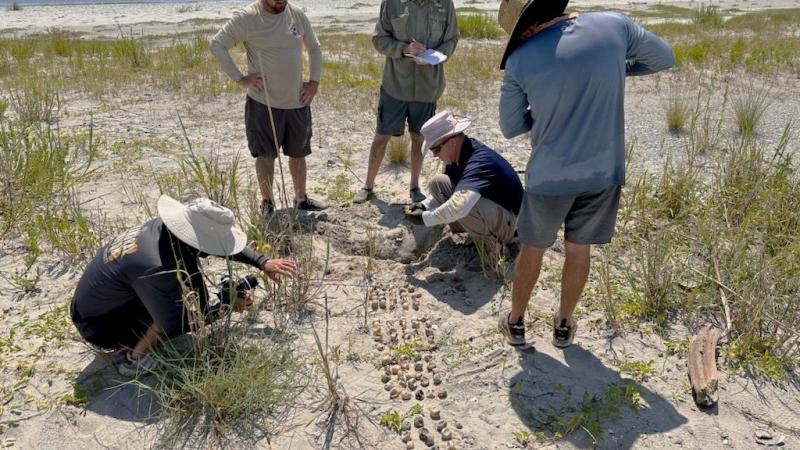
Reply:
x=530, y=14
x=461, y=125
x=212, y=240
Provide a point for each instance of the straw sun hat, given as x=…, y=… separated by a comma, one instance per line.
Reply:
x=203, y=224
x=516, y=16
x=440, y=127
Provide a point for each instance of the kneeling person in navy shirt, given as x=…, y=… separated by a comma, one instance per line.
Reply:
x=479, y=192
x=133, y=292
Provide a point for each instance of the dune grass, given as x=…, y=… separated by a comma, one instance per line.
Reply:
x=478, y=26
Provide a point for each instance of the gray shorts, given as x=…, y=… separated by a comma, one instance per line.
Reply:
x=588, y=217
x=393, y=114
x=292, y=125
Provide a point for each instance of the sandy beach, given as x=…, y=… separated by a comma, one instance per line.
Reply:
x=493, y=392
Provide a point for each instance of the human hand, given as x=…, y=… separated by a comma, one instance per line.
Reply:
x=253, y=81
x=413, y=48
x=308, y=92
x=277, y=268
x=414, y=213
x=243, y=303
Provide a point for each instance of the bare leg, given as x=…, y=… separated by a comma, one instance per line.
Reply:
x=416, y=159
x=526, y=274
x=265, y=170
x=376, y=152
x=573, y=277
x=147, y=341
x=297, y=168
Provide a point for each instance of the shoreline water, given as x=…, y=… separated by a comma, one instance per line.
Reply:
x=147, y=17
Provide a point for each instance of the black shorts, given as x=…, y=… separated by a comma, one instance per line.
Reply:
x=293, y=127
x=393, y=114
x=588, y=217
x=121, y=328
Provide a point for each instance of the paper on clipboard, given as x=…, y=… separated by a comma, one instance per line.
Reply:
x=429, y=56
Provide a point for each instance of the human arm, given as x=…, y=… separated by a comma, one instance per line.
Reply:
x=455, y=208
x=232, y=33
x=310, y=87
x=515, y=114
x=451, y=35
x=274, y=268
x=646, y=53
x=383, y=38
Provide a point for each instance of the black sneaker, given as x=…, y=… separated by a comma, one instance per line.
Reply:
x=310, y=204
x=564, y=333
x=416, y=195
x=514, y=332
x=267, y=209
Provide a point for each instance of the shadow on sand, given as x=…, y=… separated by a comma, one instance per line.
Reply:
x=111, y=395
x=583, y=396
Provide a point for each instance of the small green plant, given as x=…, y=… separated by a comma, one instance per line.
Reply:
x=397, y=151
x=15, y=6
x=592, y=411
x=638, y=370
x=677, y=113
x=748, y=108
x=218, y=180
x=391, y=420
x=339, y=189
x=478, y=26
x=408, y=350
x=523, y=438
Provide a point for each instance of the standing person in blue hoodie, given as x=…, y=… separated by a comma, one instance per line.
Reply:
x=564, y=82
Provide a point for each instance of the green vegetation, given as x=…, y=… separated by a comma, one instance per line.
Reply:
x=478, y=26
x=339, y=189
x=587, y=415
x=391, y=420
x=15, y=6
x=638, y=370
x=748, y=107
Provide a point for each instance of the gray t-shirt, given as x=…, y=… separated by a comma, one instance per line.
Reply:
x=566, y=86
x=141, y=265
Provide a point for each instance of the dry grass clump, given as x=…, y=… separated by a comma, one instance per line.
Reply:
x=748, y=108
x=398, y=149
x=677, y=113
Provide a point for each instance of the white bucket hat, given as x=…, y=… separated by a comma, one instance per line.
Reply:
x=202, y=224
x=441, y=126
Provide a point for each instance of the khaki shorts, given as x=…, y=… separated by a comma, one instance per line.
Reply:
x=292, y=125
x=588, y=217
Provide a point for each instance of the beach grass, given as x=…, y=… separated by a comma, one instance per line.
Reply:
x=478, y=26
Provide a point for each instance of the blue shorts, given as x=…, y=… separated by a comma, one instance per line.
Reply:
x=393, y=114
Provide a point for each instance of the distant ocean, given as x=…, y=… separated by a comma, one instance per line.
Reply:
x=322, y=4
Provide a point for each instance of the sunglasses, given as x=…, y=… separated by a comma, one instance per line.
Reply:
x=436, y=150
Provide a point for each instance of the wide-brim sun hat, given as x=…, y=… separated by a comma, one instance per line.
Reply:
x=516, y=16
x=202, y=224
x=441, y=126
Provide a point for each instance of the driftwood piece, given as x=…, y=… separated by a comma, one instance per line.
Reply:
x=702, y=364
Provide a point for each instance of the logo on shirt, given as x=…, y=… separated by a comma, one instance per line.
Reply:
x=123, y=244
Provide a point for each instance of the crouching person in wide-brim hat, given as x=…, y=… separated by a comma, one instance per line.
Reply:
x=132, y=293
x=479, y=192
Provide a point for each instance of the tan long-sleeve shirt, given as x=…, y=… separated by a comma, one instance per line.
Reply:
x=429, y=22
x=274, y=46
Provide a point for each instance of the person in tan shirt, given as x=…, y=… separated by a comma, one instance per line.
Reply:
x=274, y=33
x=409, y=90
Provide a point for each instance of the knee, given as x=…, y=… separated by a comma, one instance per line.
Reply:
x=440, y=183
x=380, y=140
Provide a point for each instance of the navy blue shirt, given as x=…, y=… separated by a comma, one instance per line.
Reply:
x=484, y=171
